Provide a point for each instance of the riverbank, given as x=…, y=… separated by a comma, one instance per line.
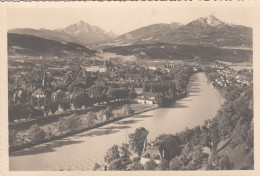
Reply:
x=90, y=147
x=222, y=99
x=54, y=134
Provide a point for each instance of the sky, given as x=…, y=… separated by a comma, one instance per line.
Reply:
x=120, y=18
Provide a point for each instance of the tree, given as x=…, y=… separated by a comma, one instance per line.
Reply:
x=62, y=127
x=108, y=112
x=112, y=154
x=214, y=132
x=78, y=101
x=171, y=94
x=197, y=159
x=12, y=137
x=65, y=105
x=225, y=164
x=86, y=100
x=137, y=140
x=125, y=153
x=159, y=99
x=127, y=110
x=170, y=144
x=91, y=118
x=101, y=114
x=73, y=122
x=176, y=163
x=47, y=108
x=36, y=134
x=132, y=94
x=110, y=93
x=116, y=165
x=54, y=107
x=14, y=112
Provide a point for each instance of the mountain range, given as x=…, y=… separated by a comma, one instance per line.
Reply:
x=206, y=31
x=80, y=32
x=202, y=31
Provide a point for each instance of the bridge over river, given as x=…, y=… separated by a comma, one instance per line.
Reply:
x=82, y=151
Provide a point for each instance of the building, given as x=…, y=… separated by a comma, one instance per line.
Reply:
x=94, y=68
x=141, y=100
x=151, y=67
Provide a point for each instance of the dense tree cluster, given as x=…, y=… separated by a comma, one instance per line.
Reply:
x=118, y=157
x=184, y=150
x=78, y=97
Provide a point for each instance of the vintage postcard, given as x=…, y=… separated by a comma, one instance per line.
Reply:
x=108, y=88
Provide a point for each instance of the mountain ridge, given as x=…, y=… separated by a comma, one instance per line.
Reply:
x=205, y=31
x=30, y=45
x=88, y=36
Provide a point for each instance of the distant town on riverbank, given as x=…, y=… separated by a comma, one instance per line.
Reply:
x=85, y=82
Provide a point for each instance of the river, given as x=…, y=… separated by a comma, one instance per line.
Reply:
x=82, y=151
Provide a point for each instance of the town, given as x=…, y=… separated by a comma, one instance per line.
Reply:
x=68, y=96
x=166, y=94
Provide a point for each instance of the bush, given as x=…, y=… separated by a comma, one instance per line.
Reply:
x=49, y=134
x=96, y=167
x=65, y=105
x=108, y=112
x=36, y=134
x=91, y=119
x=137, y=166
x=62, y=127
x=12, y=137
x=127, y=110
x=176, y=163
x=225, y=164
x=163, y=165
x=150, y=165
x=241, y=134
x=136, y=159
x=71, y=123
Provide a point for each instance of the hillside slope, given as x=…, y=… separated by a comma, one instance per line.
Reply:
x=19, y=44
x=180, y=52
x=204, y=31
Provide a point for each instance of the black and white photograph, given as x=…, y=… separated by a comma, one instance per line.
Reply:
x=130, y=88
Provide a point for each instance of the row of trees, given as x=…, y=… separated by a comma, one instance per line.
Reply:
x=159, y=86
x=78, y=99
x=68, y=124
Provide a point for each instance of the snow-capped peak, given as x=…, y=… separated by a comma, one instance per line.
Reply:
x=211, y=20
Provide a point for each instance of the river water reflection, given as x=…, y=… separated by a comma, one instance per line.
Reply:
x=82, y=151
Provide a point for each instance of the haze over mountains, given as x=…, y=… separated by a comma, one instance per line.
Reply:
x=29, y=45
x=202, y=32
x=207, y=31
x=81, y=33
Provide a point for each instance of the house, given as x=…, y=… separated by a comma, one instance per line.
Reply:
x=139, y=90
x=94, y=68
x=151, y=67
x=152, y=151
x=38, y=93
x=142, y=100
